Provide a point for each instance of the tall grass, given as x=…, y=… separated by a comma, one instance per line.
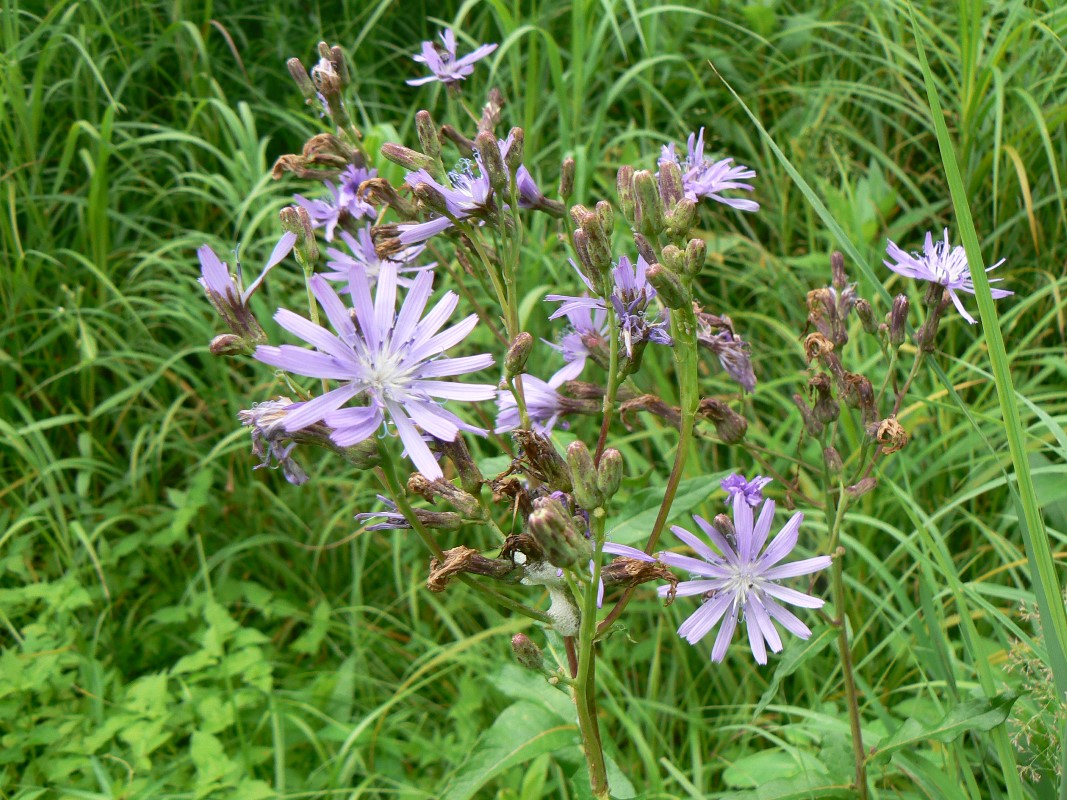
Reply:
x=175, y=624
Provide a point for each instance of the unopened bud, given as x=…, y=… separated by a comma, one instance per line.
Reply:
x=624, y=185
x=430, y=199
x=645, y=249
x=295, y=219
x=300, y=76
x=832, y=459
x=340, y=63
x=671, y=188
x=825, y=408
x=229, y=344
x=866, y=315
x=406, y=157
x=673, y=258
x=527, y=653
x=554, y=532
x=584, y=476
x=898, y=320
x=837, y=270
x=543, y=460
x=865, y=485
x=609, y=473
x=566, y=178
x=730, y=426
x=668, y=286
x=599, y=243
x=649, y=211
x=605, y=215
x=724, y=525
x=470, y=477
x=935, y=293
x=518, y=352
x=515, y=150
x=681, y=219
x=811, y=425
x=428, y=138
x=491, y=161
x=695, y=253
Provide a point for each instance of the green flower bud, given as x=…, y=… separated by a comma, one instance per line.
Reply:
x=668, y=286
x=554, y=532
x=428, y=138
x=729, y=425
x=649, y=213
x=229, y=344
x=518, y=352
x=866, y=315
x=673, y=258
x=624, y=184
x=431, y=200
x=671, y=189
x=695, y=253
x=584, y=476
x=566, y=178
x=406, y=157
x=527, y=653
x=681, y=218
x=492, y=163
x=606, y=217
x=645, y=248
x=609, y=473
x=515, y=152
x=301, y=77
x=599, y=243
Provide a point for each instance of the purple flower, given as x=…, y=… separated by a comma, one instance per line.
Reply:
x=744, y=579
x=469, y=193
x=543, y=404
x=630, y=297
x=269, y=439
x=443, y=63
x=362, y=254
x=530, y=196
x=941, y=263
x=717, y=335
x=752, y=490
x=390, y=359
x=344, y=201
x=589, y=330
x=703, y=177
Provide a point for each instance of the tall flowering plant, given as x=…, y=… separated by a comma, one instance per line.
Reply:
x=387, y=377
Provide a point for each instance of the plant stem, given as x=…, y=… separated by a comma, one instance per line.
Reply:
x=613, y=382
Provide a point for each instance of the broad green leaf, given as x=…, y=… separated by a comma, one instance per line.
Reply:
x=797, y=652
x=977, y=715
x=522, y=732
x=759, y=768
x=639, y=515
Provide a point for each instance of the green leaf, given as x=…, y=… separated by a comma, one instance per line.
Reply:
x=311, y=639
x=639, y=515
x=760, y=768
x=797, y=652
x=522, y=732
x=977, y=715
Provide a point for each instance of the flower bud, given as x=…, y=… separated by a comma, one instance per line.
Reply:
x=606, y=217
x=673, y=258
x=668, y=286
x=865, y=485
x=300, y=76
x=518, y=352
x=406, y=157
x=584, y=476
x=671, y=189
x=832, y=459
x=295, y=219
x=811, y=425
x=898, y=320
x=491, y=161
x=516, y=150
x=428, y=137
x=681, y=219
x=695, y=253
x=724, y=525
x=229, y=344
x=825, y=408
x=730, y=426
x=866, y=315
x=649, y=211
x=644, y=247
x=837, y=270
x=542, y=460
x=340, y=63
x=624, y=186
x=527, y=653
x=470, y=477
x=554, y=532
x=599, y=243
x=609, y=473
x=566, y=178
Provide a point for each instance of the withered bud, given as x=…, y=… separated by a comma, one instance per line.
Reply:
x=527, y=653
x=624, y=186
x=566, y=178
x=428, y=137
x=605, y=215
x=541, y=459
x=898, y=320
x=470, y=477
x=461, y=560
x=492, y=162
x=681, y=219
x=832, y=459
x=817, y=346
x=406, y=157
x=516, y=150
x=491, y=111
x=300, y=76
x=671, y=188
x=609, y=473
x=695, y=254
x=645, y=248
x=861, y=488
x=859, y=393
x=379, y=192
x=518, y=352
x=340, y=63
x=229, y=344
x=837, y=270
x=811, y=425
x=584, y=476
x=554, y=531
x=866, y=315
x=825, y=408
x=430, y=490
x=649, y=205
x=669, y=287
x=673, y=258
x=632, y=572
x=729, y=425
x=295, y=219
x=889, y=434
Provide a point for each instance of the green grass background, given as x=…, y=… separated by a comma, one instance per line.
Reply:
x=175, y=625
